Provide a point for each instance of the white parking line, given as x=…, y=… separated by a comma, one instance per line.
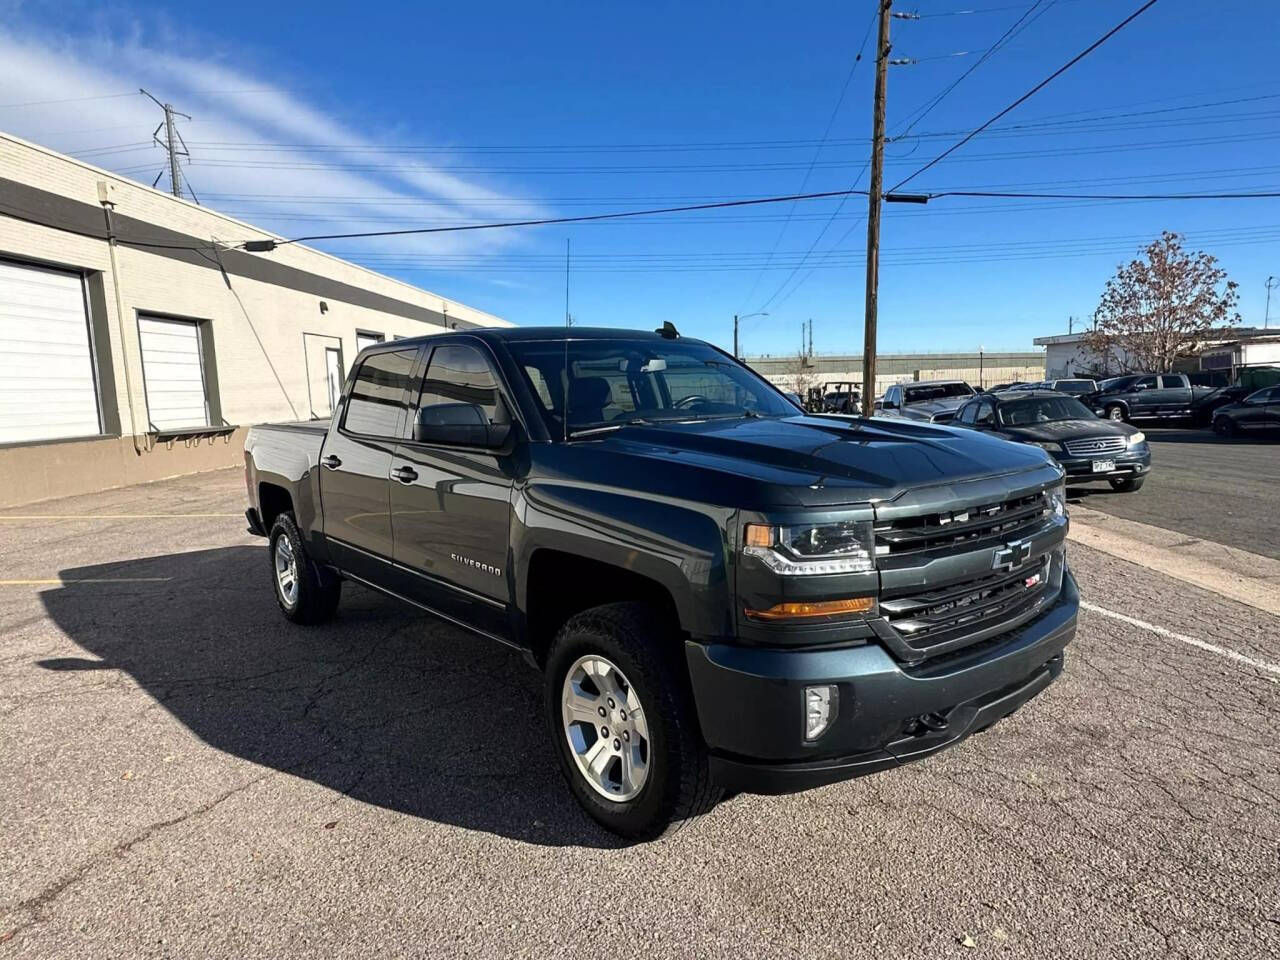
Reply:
x=1262, y=665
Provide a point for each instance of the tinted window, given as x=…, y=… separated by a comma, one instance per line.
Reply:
x=967, y=413
x=1075, y=387
x=937, y=391
x=1265, y=395
x=1171, y=381
x=986, y=413
x=377, y=396
x=459, y=373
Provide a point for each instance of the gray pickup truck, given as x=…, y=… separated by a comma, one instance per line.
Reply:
x=1147, y=396
x=722, y=592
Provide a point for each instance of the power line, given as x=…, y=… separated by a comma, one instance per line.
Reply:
x=1030, y=93
x=853, y=67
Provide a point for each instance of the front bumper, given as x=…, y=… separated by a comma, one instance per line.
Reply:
x=750, y=700
x=1127, y=464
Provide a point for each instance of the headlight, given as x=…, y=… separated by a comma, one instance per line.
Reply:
x=1050, y=446
x=1058, y=500
x=818, y=549
x=1137, y=438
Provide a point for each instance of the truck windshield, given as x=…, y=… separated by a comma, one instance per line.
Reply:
x=614, y=382
x=1022, y=413
x=937, y=391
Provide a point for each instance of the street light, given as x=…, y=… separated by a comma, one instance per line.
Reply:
x=736, y=320
x=1272, y=283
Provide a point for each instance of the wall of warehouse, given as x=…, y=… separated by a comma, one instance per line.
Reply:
x=264, y=321
x=796, y=375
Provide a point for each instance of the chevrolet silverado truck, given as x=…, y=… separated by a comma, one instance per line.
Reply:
x=722, y=593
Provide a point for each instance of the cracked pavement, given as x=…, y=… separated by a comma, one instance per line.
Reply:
x=183, y=773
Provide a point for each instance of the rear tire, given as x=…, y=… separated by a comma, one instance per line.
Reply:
x=1115, y=412
x=1127, y=484
x=306, y=594
x=626, y=653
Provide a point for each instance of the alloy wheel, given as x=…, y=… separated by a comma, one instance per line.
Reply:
x=286, y=565
x=605, y=726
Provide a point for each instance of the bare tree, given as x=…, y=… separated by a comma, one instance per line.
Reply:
x=1160, y=307
x=802, y=376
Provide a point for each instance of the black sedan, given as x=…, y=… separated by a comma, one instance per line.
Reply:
x=1088, y=448
x=1260, y=410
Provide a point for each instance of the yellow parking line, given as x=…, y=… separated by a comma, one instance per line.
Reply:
x=127, y=516
x=60, y=581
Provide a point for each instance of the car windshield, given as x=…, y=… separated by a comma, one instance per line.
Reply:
x=936, y=391
x=612, y=382
x=1021, y=413
x=1075, y=387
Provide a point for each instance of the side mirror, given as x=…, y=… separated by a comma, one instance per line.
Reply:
x=459, y=425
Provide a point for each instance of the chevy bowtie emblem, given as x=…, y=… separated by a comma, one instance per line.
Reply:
x=1011, y=555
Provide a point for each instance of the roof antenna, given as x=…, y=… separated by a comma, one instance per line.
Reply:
x=668, y=330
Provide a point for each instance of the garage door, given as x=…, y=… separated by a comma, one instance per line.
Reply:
x=47, y=388
x=173, y=373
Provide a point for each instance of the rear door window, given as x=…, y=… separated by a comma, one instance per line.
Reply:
x=377, y=401
x=1171, y=382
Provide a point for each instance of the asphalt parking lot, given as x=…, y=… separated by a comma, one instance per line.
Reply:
x=1205, y=486
x=182, y=774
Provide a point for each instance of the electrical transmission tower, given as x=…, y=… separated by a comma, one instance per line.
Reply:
x=173, y=144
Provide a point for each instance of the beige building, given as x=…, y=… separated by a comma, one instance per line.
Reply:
x=797, y=374
x=149, y=356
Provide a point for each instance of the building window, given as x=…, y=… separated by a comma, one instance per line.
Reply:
x=48, y=379
x=173, y=373
x=366, y=339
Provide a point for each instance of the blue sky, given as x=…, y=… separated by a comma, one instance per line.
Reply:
x=328, y=118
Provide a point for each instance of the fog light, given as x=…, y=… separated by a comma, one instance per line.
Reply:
x=821, y=704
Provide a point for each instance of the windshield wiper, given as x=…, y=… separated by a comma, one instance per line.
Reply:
x=606, y=427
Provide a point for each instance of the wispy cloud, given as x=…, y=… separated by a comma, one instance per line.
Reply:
x=350, y=185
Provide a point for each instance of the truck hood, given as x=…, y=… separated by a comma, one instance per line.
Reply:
x=804, y=460
x=927, y=409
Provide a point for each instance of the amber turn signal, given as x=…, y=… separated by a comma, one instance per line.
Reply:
x=818, y=608
x=758, y=535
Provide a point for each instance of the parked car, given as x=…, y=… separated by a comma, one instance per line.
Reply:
x=1088, y=448
x=1260, y=410
x=1003, y=386
x=934, y=401
x=721, y=592
x=1146, y=396
x=1076, y=387
x=1203, y=409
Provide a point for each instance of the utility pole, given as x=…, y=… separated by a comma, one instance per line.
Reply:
x=811, y=336
x=172, y=138
x=1272, y=282
x=873, y=213
x=568, y=320
x=1071, y=322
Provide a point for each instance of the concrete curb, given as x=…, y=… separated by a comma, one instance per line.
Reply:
x=1227, y=571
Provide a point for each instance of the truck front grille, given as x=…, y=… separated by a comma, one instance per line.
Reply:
x=934, y=620
x=1089, y=446
x=966, y=528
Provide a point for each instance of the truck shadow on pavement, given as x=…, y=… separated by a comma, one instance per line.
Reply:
x=385, y=704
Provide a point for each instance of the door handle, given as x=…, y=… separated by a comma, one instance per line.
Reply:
x=405, y=474
x=331, y=461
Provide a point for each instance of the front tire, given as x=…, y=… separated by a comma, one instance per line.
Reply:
x=305, y=594
x=1224, y=426
x=1115, y=413
x=639, y=769
x=1127, y=484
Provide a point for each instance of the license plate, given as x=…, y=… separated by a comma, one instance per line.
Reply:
x=1103, y=466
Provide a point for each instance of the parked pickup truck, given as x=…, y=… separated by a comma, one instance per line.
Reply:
x=722, y=593
x=932, y=401
x=1146, y=396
